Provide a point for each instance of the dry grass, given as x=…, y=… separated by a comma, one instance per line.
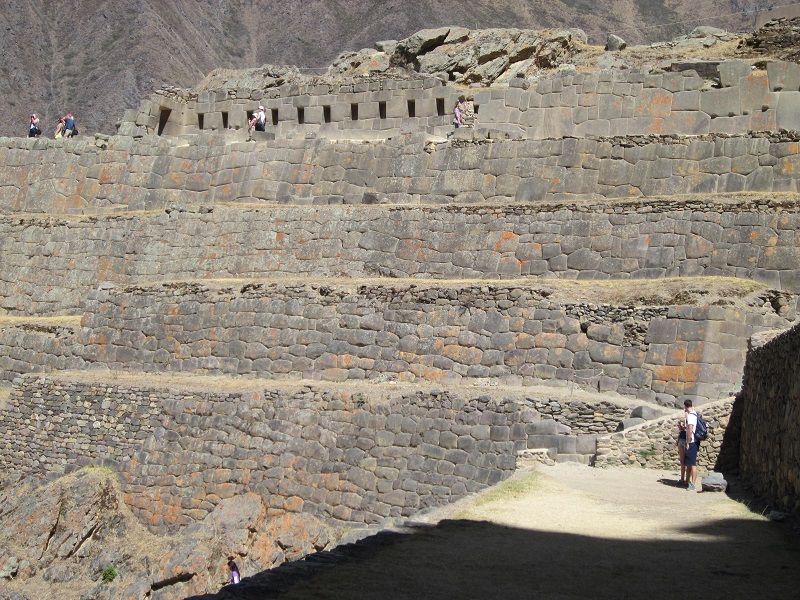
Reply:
x=58, y=321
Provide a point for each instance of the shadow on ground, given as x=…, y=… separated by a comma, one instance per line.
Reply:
x=464, y=559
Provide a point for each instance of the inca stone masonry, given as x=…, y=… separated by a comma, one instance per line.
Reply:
x=355, y=243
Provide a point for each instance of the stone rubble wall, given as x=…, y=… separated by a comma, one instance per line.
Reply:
x=622, y=102
x=50, y=264
x=652, y=445
x=153, y=173
x=584, y=418
x=337, y=455
x=406, y=333
x=769, y=454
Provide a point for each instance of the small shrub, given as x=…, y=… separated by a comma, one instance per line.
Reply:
x=648, y=453
x=109, y=574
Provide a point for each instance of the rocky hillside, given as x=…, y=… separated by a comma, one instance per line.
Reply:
x=95, y=58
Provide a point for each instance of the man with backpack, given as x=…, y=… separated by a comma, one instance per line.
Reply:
x=696, y=431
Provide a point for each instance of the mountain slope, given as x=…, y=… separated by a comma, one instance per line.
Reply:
x=95, y=58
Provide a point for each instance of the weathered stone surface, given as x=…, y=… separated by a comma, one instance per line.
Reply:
x=645, y=412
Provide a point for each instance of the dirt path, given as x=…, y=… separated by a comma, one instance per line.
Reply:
x=575, y=532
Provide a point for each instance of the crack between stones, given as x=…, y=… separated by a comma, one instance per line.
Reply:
x=53, y=529
x=182, y=578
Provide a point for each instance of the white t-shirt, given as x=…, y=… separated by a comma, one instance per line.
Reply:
x=691, y=421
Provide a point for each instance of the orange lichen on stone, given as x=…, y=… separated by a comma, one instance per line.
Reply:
x=686, y=373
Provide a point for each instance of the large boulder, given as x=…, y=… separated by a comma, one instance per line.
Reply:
x=645, y=412
x=407, y=50
x=614, y=43
x=713, y=482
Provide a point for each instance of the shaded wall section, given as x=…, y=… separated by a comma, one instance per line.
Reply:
x=770, y=431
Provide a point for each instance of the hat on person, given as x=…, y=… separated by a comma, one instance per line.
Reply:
x=260, y=108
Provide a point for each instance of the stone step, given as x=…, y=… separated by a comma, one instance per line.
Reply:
x=536, y=456
x=562, y=443
x=584, y=459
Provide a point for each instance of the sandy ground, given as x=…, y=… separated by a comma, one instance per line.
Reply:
x=575, y=532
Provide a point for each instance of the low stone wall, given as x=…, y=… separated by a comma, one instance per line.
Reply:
x=33, y=349
x=652, y=444
x=769, y=455
x=48, y=425
x=50, y=264
x=584, y=418
x=339, y=455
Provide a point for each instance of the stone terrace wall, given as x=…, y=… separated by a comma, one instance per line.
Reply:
x=331, y=454
x=770, y=433
x=49, y=265
x=33, y=348
x=652, y=444
x=600, y=103
x=410, y=333
x=58, y=176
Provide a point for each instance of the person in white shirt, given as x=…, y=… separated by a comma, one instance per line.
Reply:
x=259, y=120
x=690, y=457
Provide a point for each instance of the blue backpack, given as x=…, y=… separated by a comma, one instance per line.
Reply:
x=701, y=431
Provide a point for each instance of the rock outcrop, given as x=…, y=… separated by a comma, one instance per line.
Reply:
x=75, y=537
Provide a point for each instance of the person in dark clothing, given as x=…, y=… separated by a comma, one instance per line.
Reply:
x=69, y=126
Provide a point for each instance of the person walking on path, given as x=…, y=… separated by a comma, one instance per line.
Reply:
x=690, y=457
x=33, y=128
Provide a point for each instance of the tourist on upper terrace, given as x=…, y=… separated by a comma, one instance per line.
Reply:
x=458, y=113
x=259, y=120
x=33, y=128
x=69, y=126
x=60, y=128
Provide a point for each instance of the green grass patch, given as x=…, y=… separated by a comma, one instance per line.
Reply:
x=511, y=489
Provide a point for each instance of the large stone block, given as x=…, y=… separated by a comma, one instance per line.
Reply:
x=789, y=110
x=732, y=71
x=783, y=76
x=653, y=103
x=687, y=123
x=721, y=102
